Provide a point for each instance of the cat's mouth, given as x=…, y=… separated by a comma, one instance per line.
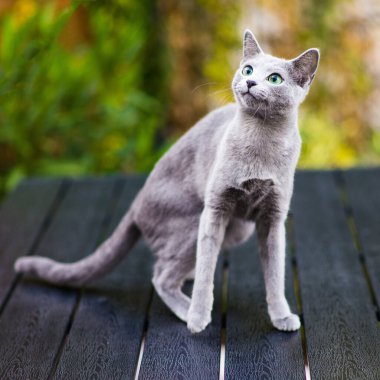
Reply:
x=253, y=100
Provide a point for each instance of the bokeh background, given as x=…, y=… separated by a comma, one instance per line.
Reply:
x=107, y=86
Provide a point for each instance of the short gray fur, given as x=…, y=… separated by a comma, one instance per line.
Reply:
x=233, y=170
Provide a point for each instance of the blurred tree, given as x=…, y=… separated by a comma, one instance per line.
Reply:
x=201, y=35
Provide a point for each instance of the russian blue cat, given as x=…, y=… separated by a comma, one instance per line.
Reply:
x=229, y=174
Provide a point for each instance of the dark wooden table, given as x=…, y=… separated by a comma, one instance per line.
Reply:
x=117, y=328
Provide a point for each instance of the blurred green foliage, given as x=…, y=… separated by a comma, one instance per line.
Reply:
x=117, y=94
x=95, y=108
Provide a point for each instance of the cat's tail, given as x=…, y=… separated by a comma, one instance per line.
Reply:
x=100, y=262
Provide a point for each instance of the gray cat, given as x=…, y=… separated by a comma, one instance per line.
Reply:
x=231, y=172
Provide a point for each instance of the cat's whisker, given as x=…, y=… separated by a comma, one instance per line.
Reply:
x=258, y=108
x=220, y=91
x=204, y=84
x=225, y=99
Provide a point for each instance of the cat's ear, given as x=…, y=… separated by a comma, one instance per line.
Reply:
x=305, y=66
x=250, y=46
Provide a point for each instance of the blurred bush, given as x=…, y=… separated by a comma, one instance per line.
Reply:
x=97, y=107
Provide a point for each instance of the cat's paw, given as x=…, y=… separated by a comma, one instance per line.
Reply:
x=197, y=323
x=289, y=323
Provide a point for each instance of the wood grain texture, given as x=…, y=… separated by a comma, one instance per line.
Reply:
x=35, y=320
x=100, y=335
x=254, y=348
x=23, y=218
x=363, y=190
x=106, y=334
x=172, y=352
x=341, y=330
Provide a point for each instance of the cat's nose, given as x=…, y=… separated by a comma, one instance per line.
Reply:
x=251, y=83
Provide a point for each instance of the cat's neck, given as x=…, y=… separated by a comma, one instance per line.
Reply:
x=278, y=123
x=246, y=130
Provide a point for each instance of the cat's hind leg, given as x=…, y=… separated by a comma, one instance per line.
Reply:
x=170, y=272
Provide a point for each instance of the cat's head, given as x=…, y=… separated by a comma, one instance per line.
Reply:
x=269, y=86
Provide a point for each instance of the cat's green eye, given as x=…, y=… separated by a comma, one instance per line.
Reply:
x=275, y=79
x=247, y=70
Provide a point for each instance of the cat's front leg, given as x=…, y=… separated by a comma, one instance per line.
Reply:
x=211, y=232
x=271, y=236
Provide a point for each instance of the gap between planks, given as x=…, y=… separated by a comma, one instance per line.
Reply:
x=222, y=359
x=61, y=192
x=297, y=290
x=343, y=196
x=111, y=209
x=140, y=356
x=145, y=330
x=57, y=358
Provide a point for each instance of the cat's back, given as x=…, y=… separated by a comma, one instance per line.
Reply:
x=197, y=147
x=204, y=136
x=179, y=176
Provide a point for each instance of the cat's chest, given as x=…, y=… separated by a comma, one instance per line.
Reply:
x=256, y=195
x=245, y=202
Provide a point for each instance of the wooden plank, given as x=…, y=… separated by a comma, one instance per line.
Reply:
x=342, y=337
x=106, y=334
x=172, y=352
x=23, y=218
x=37, y=315
x=254, y=349
x=364, y=198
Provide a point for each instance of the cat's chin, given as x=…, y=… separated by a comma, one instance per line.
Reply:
x=255, y=109
x=250, y=105
x=248, y=100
